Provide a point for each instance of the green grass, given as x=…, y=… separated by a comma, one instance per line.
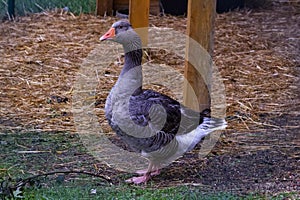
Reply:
x=52, y=148
x=66, y=192
x=23, y=7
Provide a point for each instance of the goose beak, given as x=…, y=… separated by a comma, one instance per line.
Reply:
x=110, y=34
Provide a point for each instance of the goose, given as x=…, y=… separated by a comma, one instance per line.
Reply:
x=149, y=122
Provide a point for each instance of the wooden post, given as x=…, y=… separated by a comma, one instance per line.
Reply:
x=139, y=17
x=201, y=15
x=104, y=7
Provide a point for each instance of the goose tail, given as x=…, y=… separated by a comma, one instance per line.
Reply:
x=209, y=125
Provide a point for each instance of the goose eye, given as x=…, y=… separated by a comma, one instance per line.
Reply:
x=120, y=27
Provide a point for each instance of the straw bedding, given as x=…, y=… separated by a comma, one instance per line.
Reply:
x=41, y=53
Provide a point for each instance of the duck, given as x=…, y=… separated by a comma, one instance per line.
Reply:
x=151, y=123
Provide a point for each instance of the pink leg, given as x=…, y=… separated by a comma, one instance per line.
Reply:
x=141, y=172
x=139, y=179
x=154, y=171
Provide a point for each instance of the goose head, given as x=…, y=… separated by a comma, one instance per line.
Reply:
x=123, y=33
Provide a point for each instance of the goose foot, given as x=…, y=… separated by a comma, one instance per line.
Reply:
x=152, y=170
x=139, y=179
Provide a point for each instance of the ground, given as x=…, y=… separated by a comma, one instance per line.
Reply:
x=257, y=52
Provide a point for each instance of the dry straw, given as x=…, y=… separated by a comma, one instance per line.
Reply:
x=40, y=54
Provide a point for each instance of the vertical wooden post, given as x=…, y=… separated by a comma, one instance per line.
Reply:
x=201, y=14
x=104, y=7
x=139, y=17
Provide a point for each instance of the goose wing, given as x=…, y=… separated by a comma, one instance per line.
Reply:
x=165, y=117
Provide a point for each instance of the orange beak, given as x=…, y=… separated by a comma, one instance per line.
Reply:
x=108, y=35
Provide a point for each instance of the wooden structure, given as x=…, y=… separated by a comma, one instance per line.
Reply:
x=106, y=7
x=140, y=17
x=201, y=15
x=154, y=8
